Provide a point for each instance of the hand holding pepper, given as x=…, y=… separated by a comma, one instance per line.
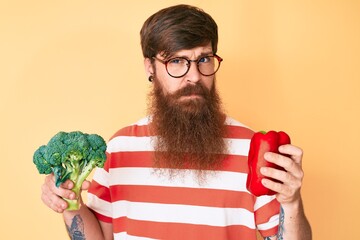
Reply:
x=275, y=166
x=290, y=159
x=280, y=173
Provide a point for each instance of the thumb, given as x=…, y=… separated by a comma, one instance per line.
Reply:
x=85, y=185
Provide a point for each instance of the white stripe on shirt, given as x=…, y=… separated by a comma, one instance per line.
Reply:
x=176, y=213
x=124, y=235
x=216, y=180
x=140, y=144
x=262, y=201
x=274, y=221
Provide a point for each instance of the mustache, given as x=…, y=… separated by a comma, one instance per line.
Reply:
x=196, y=89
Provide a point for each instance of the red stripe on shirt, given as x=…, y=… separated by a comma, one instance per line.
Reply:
x=238, y=132
x=233, y=163
x=183, y=196
x=102, y=217
x=180, y=231
x=271, y=209
x=100, y=191
x=133, y=130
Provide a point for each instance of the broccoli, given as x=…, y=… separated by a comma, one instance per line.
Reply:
x=71, y=156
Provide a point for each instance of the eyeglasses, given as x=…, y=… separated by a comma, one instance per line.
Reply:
x=179, y=66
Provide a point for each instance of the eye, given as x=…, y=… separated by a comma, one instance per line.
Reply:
x=176, y=61
x=206, y=59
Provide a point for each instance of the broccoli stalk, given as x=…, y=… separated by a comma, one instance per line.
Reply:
x=71, y=156
x=80, y=178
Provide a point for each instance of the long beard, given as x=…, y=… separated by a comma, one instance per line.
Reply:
x=190, y=132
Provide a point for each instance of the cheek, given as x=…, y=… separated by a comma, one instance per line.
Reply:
x=168, y=84
x=208, y=82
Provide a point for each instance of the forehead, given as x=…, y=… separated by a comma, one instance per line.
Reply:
x=193, y=52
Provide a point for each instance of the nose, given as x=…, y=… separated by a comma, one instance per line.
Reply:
x=193, y=75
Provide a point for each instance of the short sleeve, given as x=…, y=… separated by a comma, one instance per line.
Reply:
x=99, y=197
x=267, y=210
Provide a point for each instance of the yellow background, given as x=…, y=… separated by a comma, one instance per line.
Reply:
x=77, y=65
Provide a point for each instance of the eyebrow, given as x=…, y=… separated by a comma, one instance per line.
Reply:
x=184, y=56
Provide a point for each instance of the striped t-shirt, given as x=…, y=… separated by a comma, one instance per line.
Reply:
x=143, y=204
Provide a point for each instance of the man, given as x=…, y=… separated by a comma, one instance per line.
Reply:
x=181, y=172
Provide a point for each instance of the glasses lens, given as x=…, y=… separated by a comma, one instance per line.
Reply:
x=208, y=65
x=177, y=67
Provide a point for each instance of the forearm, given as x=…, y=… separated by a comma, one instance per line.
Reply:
x=82, y=224
x=295, y=225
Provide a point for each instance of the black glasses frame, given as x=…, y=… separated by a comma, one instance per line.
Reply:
x=165, y=62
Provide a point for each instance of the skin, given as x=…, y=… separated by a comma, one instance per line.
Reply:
x=295, y=226
x=52, y=197
x=170, y=84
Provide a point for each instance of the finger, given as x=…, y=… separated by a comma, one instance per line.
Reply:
x=294, y=152
x=280, y=188
x=64, y=190
x=283, y=177
x=284, y=194
x=279, y=175
x=61, y=191
x=68, y=184
x=85, y=185
x=57, y=203
x=287, y=163
x=53, y=201
x=53, y=196
x=50, y=179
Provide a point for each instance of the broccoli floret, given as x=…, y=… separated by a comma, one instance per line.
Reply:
x=71, y=156
x=42, y=165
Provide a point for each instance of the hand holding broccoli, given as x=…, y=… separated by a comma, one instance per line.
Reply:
x=70, y=156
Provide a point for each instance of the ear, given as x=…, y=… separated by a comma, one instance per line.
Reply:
x=149, y=69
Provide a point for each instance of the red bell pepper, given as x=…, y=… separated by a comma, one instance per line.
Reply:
x=261, y=143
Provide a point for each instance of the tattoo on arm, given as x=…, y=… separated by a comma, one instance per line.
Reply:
x=76, y=230
x=270, y=238
x=279, y=235
x=281, y=224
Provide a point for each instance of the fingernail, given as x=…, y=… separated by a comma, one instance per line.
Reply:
x=263, y=170
x=72, y=196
